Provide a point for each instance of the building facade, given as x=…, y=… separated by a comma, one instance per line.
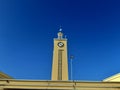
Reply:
x=59, y=78
x=60, y=60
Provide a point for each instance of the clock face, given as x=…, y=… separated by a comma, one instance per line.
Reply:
x=60, y=44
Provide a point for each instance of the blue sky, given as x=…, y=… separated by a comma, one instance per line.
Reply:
x=27, y=29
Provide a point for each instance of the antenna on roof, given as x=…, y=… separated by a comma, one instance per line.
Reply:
x=60, y=29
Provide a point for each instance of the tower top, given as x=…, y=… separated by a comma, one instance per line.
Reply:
x=60, y=34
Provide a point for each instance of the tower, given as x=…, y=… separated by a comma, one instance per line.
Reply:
x=60, y=60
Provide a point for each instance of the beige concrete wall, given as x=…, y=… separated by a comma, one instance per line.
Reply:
x=114, y=78
x=64, y=60
x=4, y=76
x=58, y=85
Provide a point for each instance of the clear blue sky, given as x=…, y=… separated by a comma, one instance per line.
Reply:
x=27, y=29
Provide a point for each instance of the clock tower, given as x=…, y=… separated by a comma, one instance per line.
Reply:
x=60, y=60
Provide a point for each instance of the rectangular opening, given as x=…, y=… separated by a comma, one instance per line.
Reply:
x=60, y=65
